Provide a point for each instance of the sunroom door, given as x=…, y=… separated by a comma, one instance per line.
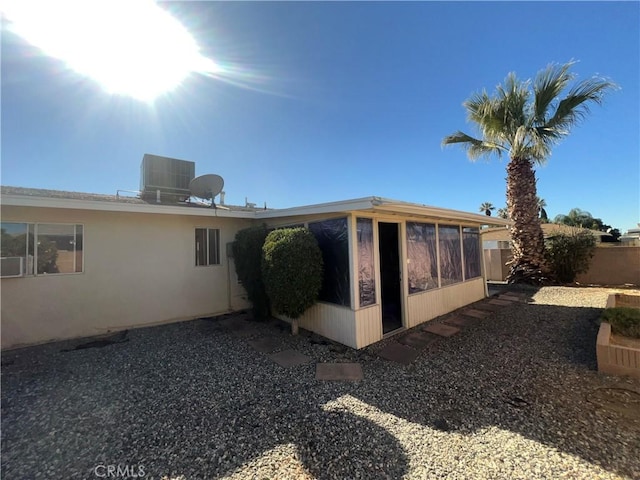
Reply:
x=390, y=276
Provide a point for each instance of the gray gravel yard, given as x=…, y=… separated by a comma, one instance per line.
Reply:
x=515, y=396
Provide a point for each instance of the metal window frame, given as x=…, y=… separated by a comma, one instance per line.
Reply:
x=35, y=232
x=207, y=237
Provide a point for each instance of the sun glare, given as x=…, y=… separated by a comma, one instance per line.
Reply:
x=131, y=47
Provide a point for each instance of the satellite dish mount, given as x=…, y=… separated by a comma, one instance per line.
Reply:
x=206, y=187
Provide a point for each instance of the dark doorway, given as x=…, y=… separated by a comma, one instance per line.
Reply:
x=390, y=276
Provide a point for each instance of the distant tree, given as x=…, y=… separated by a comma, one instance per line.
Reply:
x=541, y=210
x=503, y=213
x=525, y=120
x=583, y=219
x=615, y=235
x=575, y=218
x=486, y=207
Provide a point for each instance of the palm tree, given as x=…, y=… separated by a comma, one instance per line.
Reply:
x=576, y=218
x=525, y=120
x=503, y=213
x=543, y=212
x=486, y=207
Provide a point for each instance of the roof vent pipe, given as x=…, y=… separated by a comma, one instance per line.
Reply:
x=221, y=198
x=157, y=196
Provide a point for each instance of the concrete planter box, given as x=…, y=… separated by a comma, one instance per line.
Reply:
x=618, y=355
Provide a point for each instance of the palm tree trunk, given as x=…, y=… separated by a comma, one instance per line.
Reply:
x=527, y=240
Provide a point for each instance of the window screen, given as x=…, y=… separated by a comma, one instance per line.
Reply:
x=333, y=239
x=366, y=266
x=450, y=254
x=471, y=248
x=422, y=269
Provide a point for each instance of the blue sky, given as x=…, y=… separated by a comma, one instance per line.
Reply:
x=347, y=100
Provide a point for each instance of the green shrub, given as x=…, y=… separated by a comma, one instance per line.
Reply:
x=624, y=321
x=292, y=270
x=247, y=253
x=567, y=255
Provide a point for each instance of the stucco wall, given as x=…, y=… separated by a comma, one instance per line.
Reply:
x=610, y=265
x=139, y=269
x=495, y=263
x=613, y=266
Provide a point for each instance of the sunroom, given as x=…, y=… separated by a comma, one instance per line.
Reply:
x=388, y=265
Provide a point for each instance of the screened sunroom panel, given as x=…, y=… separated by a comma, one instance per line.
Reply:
x=421, y=253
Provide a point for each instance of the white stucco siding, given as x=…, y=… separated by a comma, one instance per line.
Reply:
x=139, y=269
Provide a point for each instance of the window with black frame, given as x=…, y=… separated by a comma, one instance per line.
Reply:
x=333, y=239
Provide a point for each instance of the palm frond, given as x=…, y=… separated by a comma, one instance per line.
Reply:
x=484, y=150
x=482, y=110
x=575, y=106
x=475, y=148
x=548, y=84
x=510, y=104
x=459, y=137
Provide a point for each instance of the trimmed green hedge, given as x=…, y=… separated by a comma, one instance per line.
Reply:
x=624, y=321
x=292, y=270
x=247, y=253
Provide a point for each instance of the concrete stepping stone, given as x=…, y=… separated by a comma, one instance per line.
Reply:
x=289, y=358
x=458, y=321
x=266, y=344
x=511, y=297
x=472, y=312
x=399, y=353
x=350, y=372
x=485, y=305
x=502, y=303
x=441, y=329
x=418, y=340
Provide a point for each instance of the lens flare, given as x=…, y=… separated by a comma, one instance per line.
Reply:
x=132, y=47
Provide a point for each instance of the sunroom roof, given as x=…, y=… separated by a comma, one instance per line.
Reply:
x=386, y=206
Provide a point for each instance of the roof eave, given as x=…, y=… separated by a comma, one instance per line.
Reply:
x=382, y=205
x=48, y=202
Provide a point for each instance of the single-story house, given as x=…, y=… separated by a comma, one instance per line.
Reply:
x=496, y=243
x=76, y=264
x=631, y=237
x=500, y=237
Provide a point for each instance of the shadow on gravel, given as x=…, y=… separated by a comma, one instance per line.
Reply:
x=537, y=378
x=180, y=402
x=192, y=399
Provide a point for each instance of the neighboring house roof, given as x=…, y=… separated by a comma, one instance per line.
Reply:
x=548, y=230
x=31, y=197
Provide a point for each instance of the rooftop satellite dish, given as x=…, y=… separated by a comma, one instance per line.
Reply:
x=206, y=186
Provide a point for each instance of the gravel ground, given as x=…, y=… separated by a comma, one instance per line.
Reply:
x=513, y=396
